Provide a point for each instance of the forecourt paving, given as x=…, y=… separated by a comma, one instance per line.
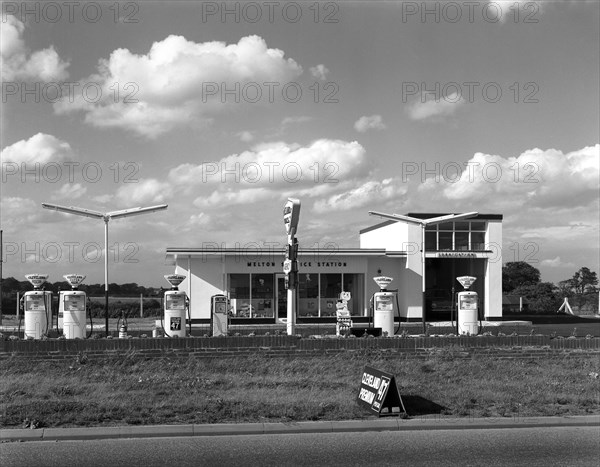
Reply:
x=228, y=429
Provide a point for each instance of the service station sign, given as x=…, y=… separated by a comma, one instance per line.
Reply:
x=291, y=215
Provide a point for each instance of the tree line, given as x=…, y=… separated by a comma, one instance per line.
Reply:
x=152, y=297
x=522, y=279
x=11, y=285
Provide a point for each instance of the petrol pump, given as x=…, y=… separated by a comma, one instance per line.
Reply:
x=467, y=301
x=37, y=307
x=72, y=308
x=219, y=315
x=176, y=303
x=382, y=303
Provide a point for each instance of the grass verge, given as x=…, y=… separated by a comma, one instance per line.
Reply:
x=129, y=390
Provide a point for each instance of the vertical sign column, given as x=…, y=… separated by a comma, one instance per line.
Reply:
x=291, y=214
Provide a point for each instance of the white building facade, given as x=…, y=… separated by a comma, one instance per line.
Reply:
x=254, y=281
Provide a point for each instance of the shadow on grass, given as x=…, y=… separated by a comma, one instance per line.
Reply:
x=416, y=406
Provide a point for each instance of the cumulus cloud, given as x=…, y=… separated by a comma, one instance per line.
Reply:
x=556, y=263
x=18, y=62
x=372, y=122
x=507, y=10
x=319, y=72
x=18, y=212
x=245, y=136
x=536, y=178
x=230, y=197
x=70, y=191
x=430, y=109
x=370, y=192
x=149, y=190
x=40, y=148
x=103, y=199
x=180, y=82
x=279, y=164
x=196, y=221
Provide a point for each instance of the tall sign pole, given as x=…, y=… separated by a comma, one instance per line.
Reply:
x=291, y=214
x=106, y=219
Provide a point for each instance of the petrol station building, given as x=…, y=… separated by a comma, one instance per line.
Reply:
x=254, y=281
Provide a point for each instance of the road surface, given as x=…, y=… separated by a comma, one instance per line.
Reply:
x=539, y=446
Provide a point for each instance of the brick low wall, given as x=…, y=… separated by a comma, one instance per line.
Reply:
x=294, y=346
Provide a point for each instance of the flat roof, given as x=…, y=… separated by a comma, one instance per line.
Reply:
x=174, y=252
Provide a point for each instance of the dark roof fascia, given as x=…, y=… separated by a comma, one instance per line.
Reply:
x=481, y=217
x=171, y=251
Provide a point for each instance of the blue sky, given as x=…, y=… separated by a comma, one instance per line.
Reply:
x=349, y=106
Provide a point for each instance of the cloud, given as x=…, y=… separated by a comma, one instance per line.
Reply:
x=536, y=178
x=279, y=165
x=180, y=82
x=40, y=148
x=370, y=192
x=149, y=190
x=196, y=221
x=319, y=72
x=507, y=10
x=373, y=122
x=103, y=199
x=556, y=263
x=17, y=62
x=431, y=109
x=70, y=191
x=245, y=136
x=231, y=197
x=549, y=199
x=17, y=213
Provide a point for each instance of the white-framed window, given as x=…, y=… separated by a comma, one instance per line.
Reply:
x=456, y=236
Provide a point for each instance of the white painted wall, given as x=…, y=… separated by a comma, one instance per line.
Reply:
x=493, y=276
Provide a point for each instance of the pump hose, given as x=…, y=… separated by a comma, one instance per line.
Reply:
x=398, y=306
x=162, y=325
x=89, y=310
x=189, y=319
x=48, y=309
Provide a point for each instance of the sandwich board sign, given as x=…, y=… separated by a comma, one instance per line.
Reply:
x=379, y=394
